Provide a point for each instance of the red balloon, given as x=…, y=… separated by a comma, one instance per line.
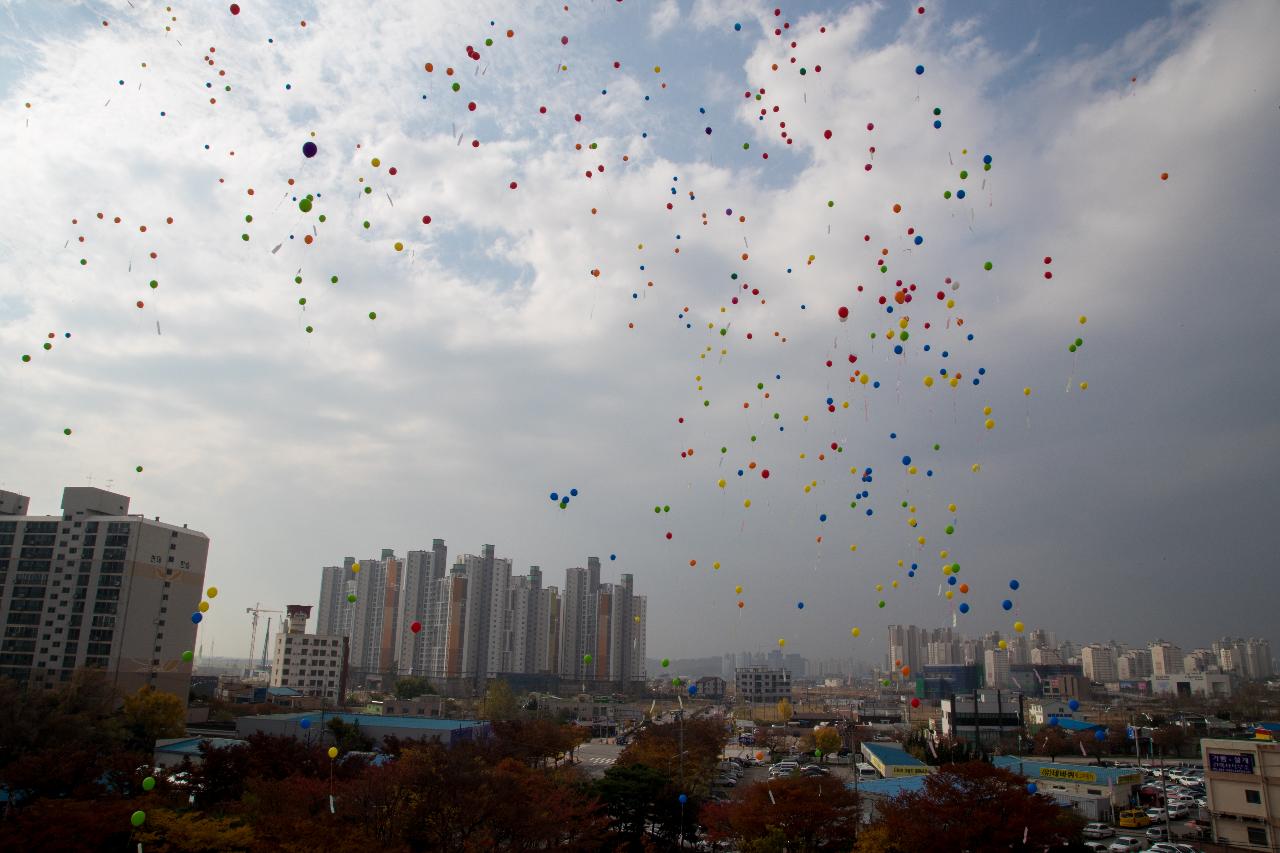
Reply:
x=235, y=8
x=415, y=627
x=915, y=703
x=843, y=312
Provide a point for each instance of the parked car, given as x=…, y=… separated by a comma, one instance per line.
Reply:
x=1178, y=811
x=726, y=782
x=1096, y=846
x=814, y=770
x=1157, y=833
x=1155, y=814
x=1097, y=830
x=1170, y=847
x=1125, y=844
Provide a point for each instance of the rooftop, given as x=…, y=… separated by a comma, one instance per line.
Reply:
x=384, y=720
x=191, y=745
x=1032, y=767
x=1073, y=725
x=892, y=755
x=890, y=787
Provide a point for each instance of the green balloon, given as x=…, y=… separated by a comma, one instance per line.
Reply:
x=148, y=783
x=586, y=658
x=987, y=265
x=351, y=598
x=187, y=656
x=666, y=662
x=138, y=818
x=950, y=529
x=305, y=204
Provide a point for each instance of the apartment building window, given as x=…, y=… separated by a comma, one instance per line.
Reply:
x=1252, y=796
x=1258, y=836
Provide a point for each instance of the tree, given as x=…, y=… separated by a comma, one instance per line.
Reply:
x=348, y=737
x=499, y=702
x=812, y=814
x=1169, y=736
x=535, y=742
x=784, y=709
x=659, y=746
x=167, y=831
x=411, y=687
x=827, y=739
x=150, y=715
x=974, y=807
x=1051, y=741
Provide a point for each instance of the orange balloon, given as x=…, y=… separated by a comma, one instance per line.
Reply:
x=906, y=672
x=741, y=604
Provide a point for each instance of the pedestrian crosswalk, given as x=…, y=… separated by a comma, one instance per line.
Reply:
x=602, y=759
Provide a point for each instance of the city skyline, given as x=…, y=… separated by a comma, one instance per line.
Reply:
x=597, y=268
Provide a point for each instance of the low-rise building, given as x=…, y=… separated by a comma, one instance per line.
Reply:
x=309, y=663
x=762, y=684
x=376, y=726
x=1098, y=793
x=1186, y=684
x=171, y=752
x=1039, y=713
x=891, y=760
x=982, y=717
x=711, y=687
x=1242, y=784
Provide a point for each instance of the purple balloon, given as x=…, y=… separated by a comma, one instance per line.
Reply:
x=309, y=149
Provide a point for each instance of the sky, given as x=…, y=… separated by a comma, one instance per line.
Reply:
x=605, y=286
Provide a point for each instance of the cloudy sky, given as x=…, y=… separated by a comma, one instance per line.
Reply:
x=501, y=367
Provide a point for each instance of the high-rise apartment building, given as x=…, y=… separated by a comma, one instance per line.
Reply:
x=1044, y=655
x=906, y=647
x=420, y=585
x=308, y=663
x=1166, y=659
x=373, y=615
x=996, y=668
x=97, y=587
x=1134, y=664
x=486, y=607
x=334, y=611
x=527, y=645
x=1249, y=659
x=604, y=621
x=1099, y=663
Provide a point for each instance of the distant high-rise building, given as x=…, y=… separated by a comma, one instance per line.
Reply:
x=1045, y=655
x=333, y=615
x=604, y=621
x=487, y=581
x=308, y=663
x=527, y=647
x=1249, y=659
x=577, y=621
x=1166, y=659
x=1019, y=649
x=1134, y=664
x=1099, y=663
x=374, y=639
x=97, y=587
x=996, y=668
x=906, y=644
x=419, y=586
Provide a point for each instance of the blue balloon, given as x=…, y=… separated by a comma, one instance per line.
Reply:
x=613, y=556
x=304, y=723
x=986, y=158
x=822, y=517
x=919, y=240
x=1053, y=721
x=1100, y=735
x=906, y=460
x=919, y=69
x=196, y=617
x=693, y=690
x=1007, y=604
x=800, y=605
x=1031, y=788
x=937, y=123
x=1014, y=584
x=951, y=580
x=309, y=149
x=555, y=497
x=683, y=799
x=737, y=27
x=964, y=605
x=573, y=492
x=1074, y=704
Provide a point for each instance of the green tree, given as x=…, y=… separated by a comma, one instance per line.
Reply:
x=348, y=737
x=150, y=714
x=411, y=687
x=499, y=702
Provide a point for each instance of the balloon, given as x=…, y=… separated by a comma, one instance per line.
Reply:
x=919, y=69
x=187, y=657
x=800, y=605
x=906, y=672
x=1099, y=735
x=1053, y=721
x=197, y=617
x=693, y=690
x=235, y=10
x=212, y=592
x=1018, y=626
x=1031, y=788
x=781, y=642
x=304, y=723
x=741, y=604
x=759, y=756
x=637, y=618
x=843, y=313
x=666, y=662
x=148, y=783
x=586, y=658
x=138, y=818
x=309, y=149
x=355, y=568
x=351, y=599
x=204, y=607
x=683, y=799
x=1003, y=644
x=415, y=627
x=333, y=752
x=738, y=589
x=1014, y=584
x=915, y=703
x=1074, y=704
x=857, y=632
x=964, y=607
x=1007, y=604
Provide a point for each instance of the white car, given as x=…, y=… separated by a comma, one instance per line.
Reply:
x=1097, y=830
x=1157, y=833
x=1125, y=844
x=1095, y=846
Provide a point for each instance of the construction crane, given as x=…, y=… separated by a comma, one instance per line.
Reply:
x=256, y=610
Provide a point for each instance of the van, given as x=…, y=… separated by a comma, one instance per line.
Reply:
x=1134, y=819
x=866, y=771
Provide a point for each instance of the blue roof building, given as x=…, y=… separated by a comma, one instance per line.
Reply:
x=307, y=724
x=891, y=760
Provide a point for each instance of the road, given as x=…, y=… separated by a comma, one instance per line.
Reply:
x=595, y=757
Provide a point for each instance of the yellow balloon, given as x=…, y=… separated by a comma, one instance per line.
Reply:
x=953, y=382
x=1083, y=319
x=738, y=589
x=928, y=382
x=1003, y=644
x=911, y=469
x=204, y=607
x=990, y=424
x=333, y=752
x=212, y=592
x=853, y=547
x=894, y=584
x=1084, y=386
x=720, y=483
x=951, y=507
x=976, y=467
x=747, y=503
x=716, y=565
x=1018, y=626
x=355, y=568
x=949, y=594
x=781, y=642
x=986, y=410
x=1026, y=392
x=857, y=632
x=637, y=618
x=879, y=587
